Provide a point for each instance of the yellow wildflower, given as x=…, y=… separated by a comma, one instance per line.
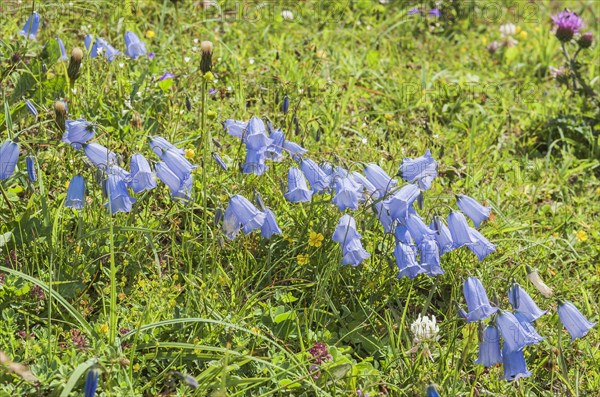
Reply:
x=104, y=328
x=315, y=239
x=523, y=34
x=581, y=235
x=136, y=367
x=150, y=34
x=302, y=259
x=189, y=154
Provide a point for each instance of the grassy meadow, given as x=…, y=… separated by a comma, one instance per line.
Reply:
x=157, y=300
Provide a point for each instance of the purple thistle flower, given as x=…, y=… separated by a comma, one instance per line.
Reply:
x=566, y=24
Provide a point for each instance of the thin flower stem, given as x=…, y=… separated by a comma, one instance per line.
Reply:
x=205, y=161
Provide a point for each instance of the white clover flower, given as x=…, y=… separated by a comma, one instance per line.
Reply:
x=287, y=15
x=425, y=329
x=508, y=29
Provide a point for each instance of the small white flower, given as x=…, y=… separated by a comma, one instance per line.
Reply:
x=229, y=88
x=195, y=41
x=194, y=49
x=508, y=29
x=186, y=59
x=100, y=50
x=251, y=60
x=121, y=64
x=425, y=329
x=364, y=141
x=287, y=15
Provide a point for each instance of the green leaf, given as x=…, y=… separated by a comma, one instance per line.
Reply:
x=291, y=315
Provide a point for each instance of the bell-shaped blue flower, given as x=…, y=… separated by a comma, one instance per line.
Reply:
x=442, y=235
x=219, y=161
x=403, y=235
x=30, y=30
x=529, y=328
x=9, y=155
x=295, y=150
x=118, y=196
x=406, y=259
x=477, y=212
x=489, y=347
x=430, y=257
x=274, y=150
x=318, y=180
x=297, y=190
x=402, y=200
x=142, y=178
x=417, y=228
x=421, y=170
x=516, y=337
x=270, y=226
x=100, y=156
x=159, y=145
x=78, y=132
x=353, y=253
x=577, y=325
x=87, y=40
x=477, y=300
x=91, y=382
x=380, y=179
x=109, y=52
x=481, y=245
x=177, y=163
x=523, y=303
x=346, y=230
x=31, y=108
x=255, y=136
x=248, y=216
x=180, y=188
x=235, y=127
x=431, y=391
x=383, y=216
x=459, y=229
x=255, y=162
x=135, y=47
x=515, y=366
x=366, y=185
x=30, y=163
x=347, y=194
x=76, y=193
x=63, y=52
x=327, y=168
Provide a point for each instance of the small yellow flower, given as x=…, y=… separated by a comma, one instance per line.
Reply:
x=484, y=40
x=523, y=34
x=189, y=154
x=315, y=239
x=537, y=29
x=581, y=235
x=598, y=190
x=67, y=184
x=388, y=116
x=104, y=328
x=518, y=29
x=136, y=367
x=150, y=34
x=321, y=54
x=302, y=259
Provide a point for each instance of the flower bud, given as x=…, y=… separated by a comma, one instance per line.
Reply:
x=536, y=280
x=206, y=47
x=75, y=63
x=585, y=41
x=60, y=112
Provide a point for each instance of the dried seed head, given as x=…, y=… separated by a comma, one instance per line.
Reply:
x=75, y=64
x=77, y=54
x=206, y=60
x=206, y=47
x=60, y=113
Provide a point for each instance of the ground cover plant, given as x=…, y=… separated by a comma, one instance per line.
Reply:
x=340, y=198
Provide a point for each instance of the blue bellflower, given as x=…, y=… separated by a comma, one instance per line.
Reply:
x=402, y=200
x=91, y=382
x=431, y=391
x=241, y=213
x=100, y=45
x=417, y=228
x=180, y=188
x=274, y=151
x=346, y=230
x=99, y=155
x=9, y=155
x=523, y=303
x=406, y=260
x=347, y=194
x=481, y=245
x=477, y=212
x=32, y=26
x=63, y=52
x=255, y=136
x=489, y=347
x=420, y=171
x=30, y=163
x=76, y=193
x=529, y=328
x=515, y=366
x=380, y=179
x=118, y=196
x=235, y=127
x=177, y=163
x=270, y=226
x=78, y=132
x=159, y=145
x=142, y=178
x=31, y=108
x=459, y=229
x=297, y=190
x=403, y=235
x=383, y=216
x=477, y=300
x=318, y=180
x=219, y=161
x=135, y=47
x=295, y=150
x=516, y=337
x=353, y=253
x=430, y=257
x=255, y=162
x=577, y=325
x=442, y=235
x=366, y=185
